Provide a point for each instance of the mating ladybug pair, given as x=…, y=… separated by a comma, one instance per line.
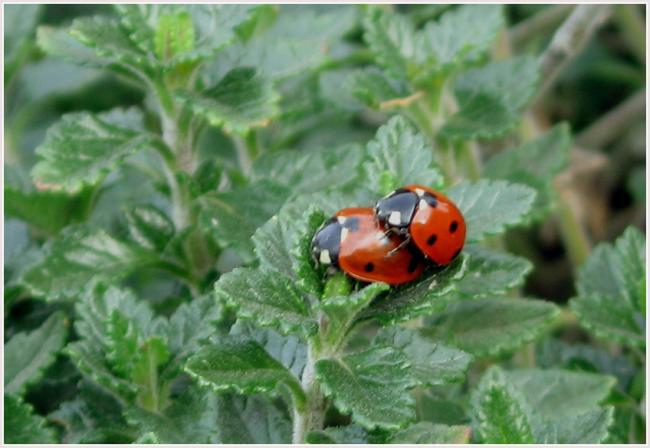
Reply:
x=392, y=242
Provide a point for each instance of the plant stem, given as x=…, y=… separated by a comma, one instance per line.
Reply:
x=632, y=27
x=569, y=40
x=540, y=22
x=312, y=416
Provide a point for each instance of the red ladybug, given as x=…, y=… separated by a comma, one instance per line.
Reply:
x=428, y=218
x=354, y=241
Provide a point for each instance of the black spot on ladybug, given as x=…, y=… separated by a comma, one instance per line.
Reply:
x=369, y=267
x=455, y=254
x=430, y=199
x=352, y=224
x=453, y=227
x=413, y=265
x=432, y=240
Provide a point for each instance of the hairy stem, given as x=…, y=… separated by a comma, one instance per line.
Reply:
x=312, y=416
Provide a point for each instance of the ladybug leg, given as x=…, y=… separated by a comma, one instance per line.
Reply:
x=401, y=245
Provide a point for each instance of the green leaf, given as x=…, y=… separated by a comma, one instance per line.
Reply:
x=429, y=433
x=341, y=311
x=151, y=355
x=82, y=148
x=491, y=98
x=351, y=89
x=559, y=394
x=122, y=343
x=108, y=40
x=93, y=416
x=297, y=41
x=559, y=354
x=22, y=425
x=189, y=419
x=392, y=39
x=251, y=420
x=489, y=207
x=309, y=276
x=45, y=210
x=399, y=155
x=424, y=296
x=556, y=406
x=461, y=36
x=240, y=366
x=27, y=355
x=351, y=434
x=267, y=298
x=58, y=43
x=535, y=163
x=589, y=427
x=488, y=327
x=20, y=21
x=290, y=350
x=136, y=20
x=149, y=227
x=372, y=385
x=499, y=416
x=609, y=298
x=432, y=363
x=232, y=217
x=80, y=256
x=174, y=34
x=491, y=273
x=311, y=171
x=241, y=100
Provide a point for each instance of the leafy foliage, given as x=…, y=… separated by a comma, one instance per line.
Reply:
x=27, y=355
x=522, y=407
x=160, y=285
x=611, y=290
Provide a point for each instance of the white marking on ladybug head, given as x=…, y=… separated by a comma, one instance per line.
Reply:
x=341, y=219
x=325, y=257
x=344, y=233
x=422, y=203
x=395, y=218
x=419, y=191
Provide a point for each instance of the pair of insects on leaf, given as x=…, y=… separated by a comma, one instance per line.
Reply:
x=393, y=242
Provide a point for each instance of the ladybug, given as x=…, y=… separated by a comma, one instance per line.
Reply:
x=354, y=241
x=428, y=218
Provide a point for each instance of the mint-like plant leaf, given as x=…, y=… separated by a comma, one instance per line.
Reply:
x=189, y=419
x=423, y=296
x=266, y=297
x=535, y=163
x=249, y=420
x=80, y=256
x=609, y=293
x=298, y=40
x=241, y=100
x=22, y=425
x=492, y=326
x=491, y=273
x=432, y=364
x=398, y=156
x=499, y=415
x=478, y=202
x=430, y=433
x=491, y=98
x=232, y=217
x=27, y=355
x=149, y=227
x=82, y=148
x=241, y=366
x=461, y=36
x=351, y=434
x=541, y=406
x=372, y=385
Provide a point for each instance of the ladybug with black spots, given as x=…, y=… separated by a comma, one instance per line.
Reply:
x=427, y=218
x=355, y=242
